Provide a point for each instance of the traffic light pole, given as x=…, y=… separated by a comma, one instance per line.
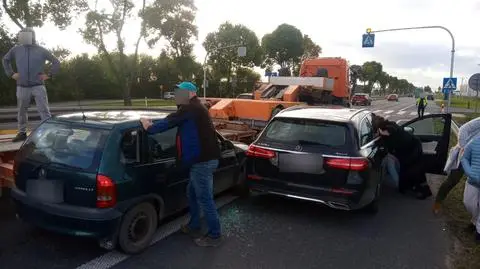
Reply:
x=452, y=57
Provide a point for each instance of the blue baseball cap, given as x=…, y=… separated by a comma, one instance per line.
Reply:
x=187, y=86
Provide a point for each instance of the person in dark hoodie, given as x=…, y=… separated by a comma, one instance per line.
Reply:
x=408, y=151
x=30, y=61
x=197, y=150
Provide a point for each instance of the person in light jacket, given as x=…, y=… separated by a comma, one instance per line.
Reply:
x=29, y=59
x=453, y=166
x=471, y=196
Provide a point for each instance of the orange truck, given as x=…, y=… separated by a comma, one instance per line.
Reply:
x=322, y=81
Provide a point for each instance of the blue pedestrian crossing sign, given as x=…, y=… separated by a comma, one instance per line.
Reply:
x=368, y=40
x=449, y=84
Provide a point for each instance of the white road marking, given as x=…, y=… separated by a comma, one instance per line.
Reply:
x=405, y=108
x=426, y=113
x=388, y=112
x=377, y=111
x=401, y=112
x=115, y=257
x=386, y=117
x=413, y=113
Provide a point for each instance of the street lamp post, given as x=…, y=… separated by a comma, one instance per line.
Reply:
x=241, y=51
x=452, y=57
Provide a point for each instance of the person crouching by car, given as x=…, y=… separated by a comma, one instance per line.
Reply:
x=408, y=150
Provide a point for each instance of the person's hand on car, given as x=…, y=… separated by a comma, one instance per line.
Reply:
x=16, y=76
x=146, y=123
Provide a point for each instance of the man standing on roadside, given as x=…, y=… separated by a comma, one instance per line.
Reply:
x=30, y=61
x=198, y=150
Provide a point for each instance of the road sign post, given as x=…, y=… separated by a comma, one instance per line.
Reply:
x=449, y=85
x=368, y=40
x=474, y=84
x=452, y=57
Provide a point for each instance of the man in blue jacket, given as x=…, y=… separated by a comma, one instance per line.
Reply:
x=197, y=149
x=30, y=61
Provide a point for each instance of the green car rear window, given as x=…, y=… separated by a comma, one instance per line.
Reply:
x=64, y=144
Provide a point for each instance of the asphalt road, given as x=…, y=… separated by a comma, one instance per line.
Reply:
x=261, y=232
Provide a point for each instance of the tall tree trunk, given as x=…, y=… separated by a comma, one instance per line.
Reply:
x=134, y=72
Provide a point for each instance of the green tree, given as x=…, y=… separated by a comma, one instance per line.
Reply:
x=98, y=25
x=383, y=80
x=393, y=84
x=372, y=72
x=284, y=47
x=34, y=13
x=311, y=51
x=174, y=21
x=226, y=61
x=7, y=85
x=427, y=89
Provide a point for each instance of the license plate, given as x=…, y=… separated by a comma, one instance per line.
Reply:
x=301, y=163
x=49, y=191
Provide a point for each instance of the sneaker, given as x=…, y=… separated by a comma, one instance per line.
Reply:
x=208, y=241
x=191, y=232
x=19, y=137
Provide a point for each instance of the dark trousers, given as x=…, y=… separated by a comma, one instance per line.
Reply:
x=421, y=111
x=450, y=183
x=413, y=178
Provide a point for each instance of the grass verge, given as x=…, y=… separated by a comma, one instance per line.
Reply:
x=457, y=218
x=461, y=102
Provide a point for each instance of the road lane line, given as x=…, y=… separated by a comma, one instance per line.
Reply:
x=386, y=117
x=413, y=113
x=388, y=112
x=377, y=111
x=401, y=112
x=405, y=108
x=426, y=113
x=115, y=257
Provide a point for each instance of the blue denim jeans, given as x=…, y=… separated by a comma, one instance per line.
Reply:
x=200, y=196
x=392, y=166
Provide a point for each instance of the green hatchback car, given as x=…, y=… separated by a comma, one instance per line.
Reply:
x=99, y=175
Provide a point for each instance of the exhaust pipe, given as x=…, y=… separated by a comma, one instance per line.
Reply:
x=336, y=205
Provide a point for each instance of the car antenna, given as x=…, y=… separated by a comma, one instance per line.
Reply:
x=84, y=118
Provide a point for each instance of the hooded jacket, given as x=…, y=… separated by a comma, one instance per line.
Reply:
x=30, y=62
x=196, y=136
x=466, y=133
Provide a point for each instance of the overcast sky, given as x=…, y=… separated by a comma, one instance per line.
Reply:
x=422, y=56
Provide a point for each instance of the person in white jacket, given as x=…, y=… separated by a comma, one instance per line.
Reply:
x=453, y=167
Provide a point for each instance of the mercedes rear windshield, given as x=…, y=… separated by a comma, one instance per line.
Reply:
x=292, y=131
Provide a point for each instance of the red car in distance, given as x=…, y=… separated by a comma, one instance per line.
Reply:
x=392, y=97
x=362, y=99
